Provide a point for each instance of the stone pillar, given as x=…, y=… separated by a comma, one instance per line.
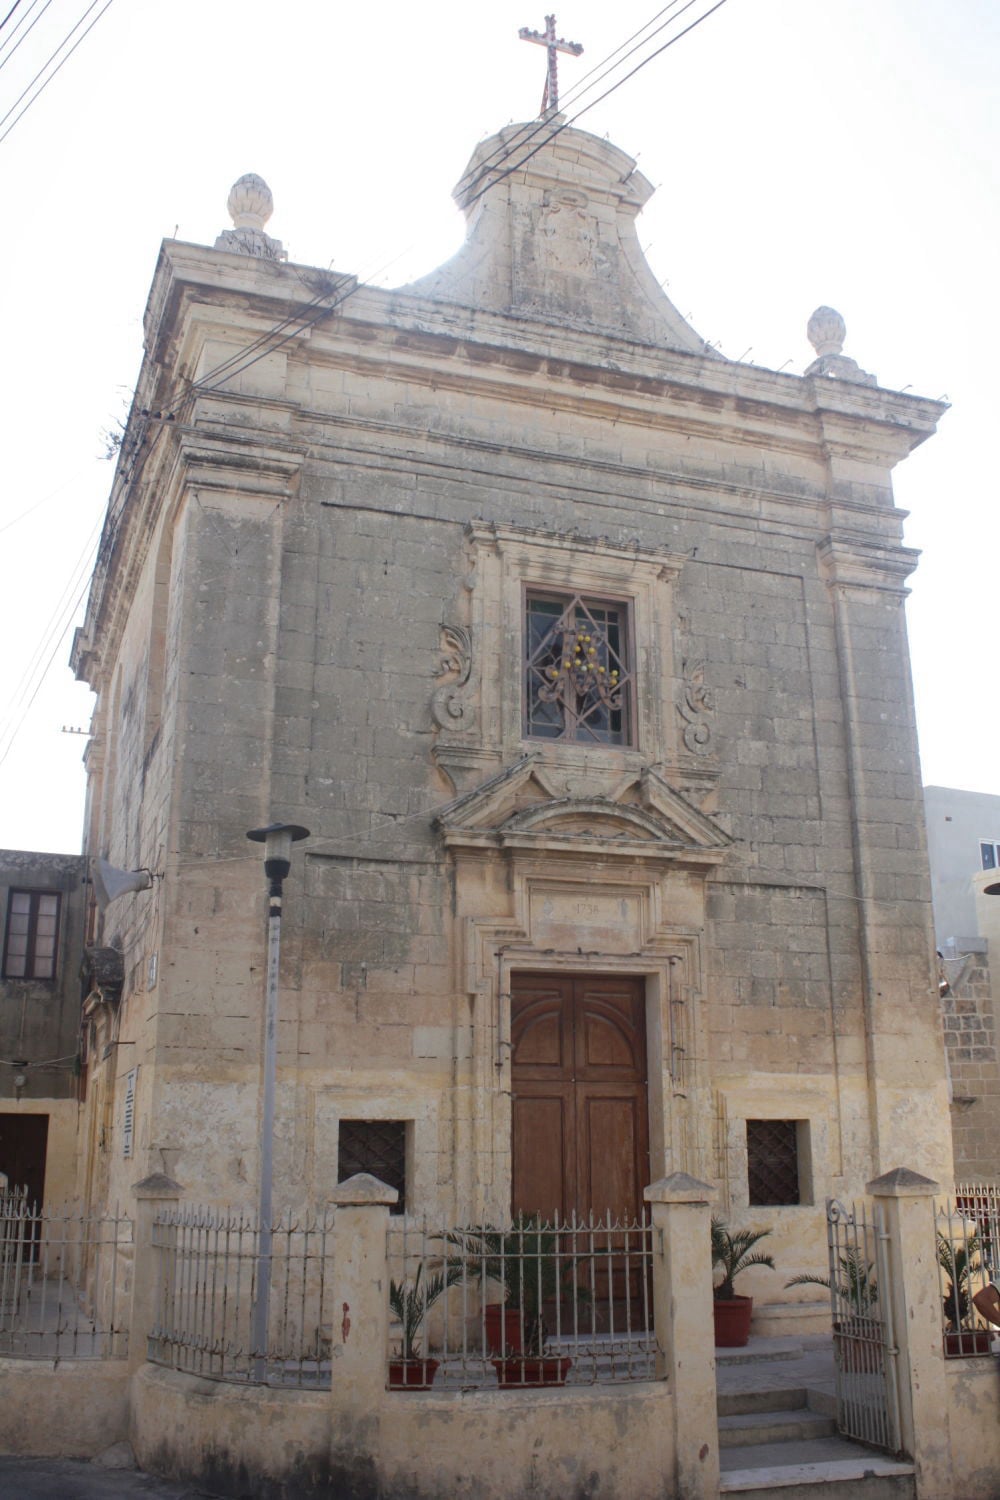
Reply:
x=906, y=1200
x=683, y=1320
x=360, y=1295
x=906, y=1074
x=153, y=1193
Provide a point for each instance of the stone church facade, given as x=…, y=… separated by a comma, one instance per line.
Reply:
x=580, y=652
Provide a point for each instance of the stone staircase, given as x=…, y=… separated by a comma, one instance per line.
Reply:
x=777, y=1431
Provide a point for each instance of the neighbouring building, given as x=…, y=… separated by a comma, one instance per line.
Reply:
x=580, y=652
x=963, y=844
x=43, y=902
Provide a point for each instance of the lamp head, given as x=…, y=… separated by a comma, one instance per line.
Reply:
x=278, y=839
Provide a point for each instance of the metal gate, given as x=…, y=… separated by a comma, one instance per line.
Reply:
x=863, y=1335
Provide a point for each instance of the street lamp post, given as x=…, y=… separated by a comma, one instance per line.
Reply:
x=277, y=839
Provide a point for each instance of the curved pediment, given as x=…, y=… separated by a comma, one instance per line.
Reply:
x=646, y=819
x=595, y=818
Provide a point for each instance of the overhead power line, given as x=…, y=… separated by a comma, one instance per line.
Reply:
x=495, y=168
x=565, y=124
x=57, y=69
x=581, y=87
x=5, y=45
x=9, y=14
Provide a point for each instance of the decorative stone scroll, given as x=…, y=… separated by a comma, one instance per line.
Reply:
x=450, y=707
x=696, y=704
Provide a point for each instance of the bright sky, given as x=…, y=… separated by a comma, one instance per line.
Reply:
x=805, y=152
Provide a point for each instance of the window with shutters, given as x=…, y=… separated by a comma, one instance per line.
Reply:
x=378, y=1147
x=31, y=935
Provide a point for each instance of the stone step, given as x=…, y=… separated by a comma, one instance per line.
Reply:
x=774, y=1426
x=825, y=1469
x=766, y=1398
x=759, y=1352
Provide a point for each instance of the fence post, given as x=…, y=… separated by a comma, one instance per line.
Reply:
x=360, y=1292
x=907, y=1203
x=683, y=1320
x=152, y=1193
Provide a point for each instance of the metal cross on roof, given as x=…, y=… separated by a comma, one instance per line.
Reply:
x=553, y=45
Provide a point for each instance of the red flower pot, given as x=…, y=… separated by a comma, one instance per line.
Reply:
x=412, y=1374
x=503, y=1329
x=732, y=1321
x=529, y=1370
x=966, y=1341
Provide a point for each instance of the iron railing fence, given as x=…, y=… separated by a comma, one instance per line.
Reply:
x=530, y=1303
x=863, y=1334
x=64, y=1281
x=968, y=1257
x=209, y=1265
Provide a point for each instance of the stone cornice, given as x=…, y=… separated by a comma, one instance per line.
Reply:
x=855, y=562
x=417, y=339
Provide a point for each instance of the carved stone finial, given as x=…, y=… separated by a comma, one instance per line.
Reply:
x=826, y=331
x=250, y=205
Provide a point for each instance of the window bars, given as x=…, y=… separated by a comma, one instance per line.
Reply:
x=577, y=679
x=62, y=1282
x=535, y=1303
x=968, y=1257
x=207, y=1265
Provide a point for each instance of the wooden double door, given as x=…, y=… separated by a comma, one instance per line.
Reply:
x=580, y=1109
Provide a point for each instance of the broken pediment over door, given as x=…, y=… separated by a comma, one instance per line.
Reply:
x=643, y=817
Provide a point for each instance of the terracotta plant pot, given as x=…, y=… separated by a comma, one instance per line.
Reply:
x=412, y=1374
x=529, y=1370
x=732, y=1321
x=965, y=1341
x=503, y=1329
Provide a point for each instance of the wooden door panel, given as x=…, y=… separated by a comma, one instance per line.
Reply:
x=610, y=1150
x=540, y=1176
x=541, y=1036
x=578, y=1050
x=610, y=1030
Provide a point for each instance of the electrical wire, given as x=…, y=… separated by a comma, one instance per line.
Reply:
x=62, y=63
x=516, y=166
x=54, y=633
x=580, y=87
x=9, y=14
x=26, y=34
x=326, y=301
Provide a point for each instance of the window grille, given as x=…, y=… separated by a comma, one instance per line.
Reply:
x=30, y=938
x=578, y=681
x=378, y=1147
x=773, y=1161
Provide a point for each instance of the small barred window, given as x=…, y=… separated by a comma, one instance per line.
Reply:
x=378, y=1147
x=773, y=1161
x=578, y=677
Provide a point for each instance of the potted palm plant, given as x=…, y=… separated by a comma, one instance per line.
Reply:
x=734, y=1253
x=857, y=1327
x=958, y=1263
x=525, y=1260
x=410, y=1301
